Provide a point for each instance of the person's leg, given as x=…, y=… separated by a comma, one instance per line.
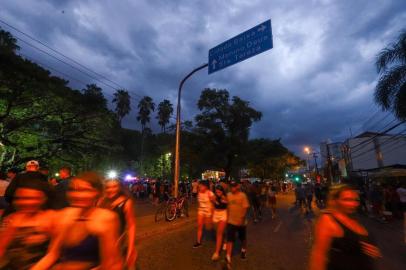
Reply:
x=219, y=237
x=200, y=223
x=242, y=234
x=231, y=230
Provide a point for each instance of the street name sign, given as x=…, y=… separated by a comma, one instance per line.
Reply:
x=247, y=44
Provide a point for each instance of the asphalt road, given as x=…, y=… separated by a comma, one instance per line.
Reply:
x=282, y=243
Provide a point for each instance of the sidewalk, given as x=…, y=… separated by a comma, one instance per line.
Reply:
x=146, y=225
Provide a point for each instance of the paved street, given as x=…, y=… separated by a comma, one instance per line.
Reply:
x=282, y=244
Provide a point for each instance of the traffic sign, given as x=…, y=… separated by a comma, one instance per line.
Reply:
x=250, y=43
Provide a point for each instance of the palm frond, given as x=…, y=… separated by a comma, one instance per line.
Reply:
x=399, y=105
x=388, y=86
x=395, y=53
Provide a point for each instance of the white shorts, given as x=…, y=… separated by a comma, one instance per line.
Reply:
x=207, y=213
x=220, y=216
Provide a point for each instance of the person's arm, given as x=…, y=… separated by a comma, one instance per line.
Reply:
x=108, y=227
x=57, y=229
x=131, y=230
x=6, y=235
x=10, y=190
x=321, y=245
x=245, y=204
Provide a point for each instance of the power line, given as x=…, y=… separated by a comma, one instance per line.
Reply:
x=65, y=56
x=389, y=140
x=62, y=61
x=378, y=134
x=379, y=121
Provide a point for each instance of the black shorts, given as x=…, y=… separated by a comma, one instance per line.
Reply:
x=232, y=230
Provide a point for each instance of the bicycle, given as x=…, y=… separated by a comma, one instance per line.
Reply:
x=176, y=207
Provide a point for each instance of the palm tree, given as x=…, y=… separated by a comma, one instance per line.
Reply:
x=390, y=92
x=122, y=99
x=165, y=110
x=145, y=106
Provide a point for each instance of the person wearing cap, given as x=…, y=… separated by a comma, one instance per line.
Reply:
x=30, y=174
x=60, y=201
x=237, y=209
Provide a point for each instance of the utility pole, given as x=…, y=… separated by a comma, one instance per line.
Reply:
x=329, y=165
x=315, y=163
x=378, y=153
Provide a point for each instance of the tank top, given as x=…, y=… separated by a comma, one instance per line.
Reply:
x=119, y=210
x=219, y=205
x=346, y=252
x=87, y=250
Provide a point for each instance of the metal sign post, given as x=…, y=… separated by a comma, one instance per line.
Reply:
x=243, y=46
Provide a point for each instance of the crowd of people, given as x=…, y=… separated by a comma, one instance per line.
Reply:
x=78, y=222
x=225, y=206
x=88, y=222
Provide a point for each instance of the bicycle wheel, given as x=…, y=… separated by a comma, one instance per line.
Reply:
x=170, y=211
x=160, y=212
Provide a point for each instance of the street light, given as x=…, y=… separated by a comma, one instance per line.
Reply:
x=307, y=151
x=111, y=174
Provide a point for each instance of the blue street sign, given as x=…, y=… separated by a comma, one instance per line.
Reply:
x=252, y=42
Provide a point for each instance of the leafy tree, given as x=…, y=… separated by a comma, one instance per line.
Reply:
x=94, y=98
x=145, y=107
x=390, y=92
x=122, y=99
x=224, y=127
x=165, y=111
x=42, y=118
x=8, y=43
x=269, y=159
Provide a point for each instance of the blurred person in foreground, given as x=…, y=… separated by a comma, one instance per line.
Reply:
x=116, y=199
x=341, y=242
x=25, y=234
x=31, y=174
x=86, y=236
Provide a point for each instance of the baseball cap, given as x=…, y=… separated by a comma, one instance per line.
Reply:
x=234, y=183
x=32, y=163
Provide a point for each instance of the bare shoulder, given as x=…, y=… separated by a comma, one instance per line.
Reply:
x=328, y=225
x=104, y=215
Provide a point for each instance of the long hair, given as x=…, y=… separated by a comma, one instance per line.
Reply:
x=122, y=192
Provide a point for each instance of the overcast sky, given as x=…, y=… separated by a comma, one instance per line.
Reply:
x=316, y=83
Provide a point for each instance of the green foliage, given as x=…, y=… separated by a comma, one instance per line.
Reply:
x=269, y=159
x=390, y=92
x=223, y=127
x=42, y=118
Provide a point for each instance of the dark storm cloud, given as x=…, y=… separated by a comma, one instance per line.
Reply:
x=315, y=84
